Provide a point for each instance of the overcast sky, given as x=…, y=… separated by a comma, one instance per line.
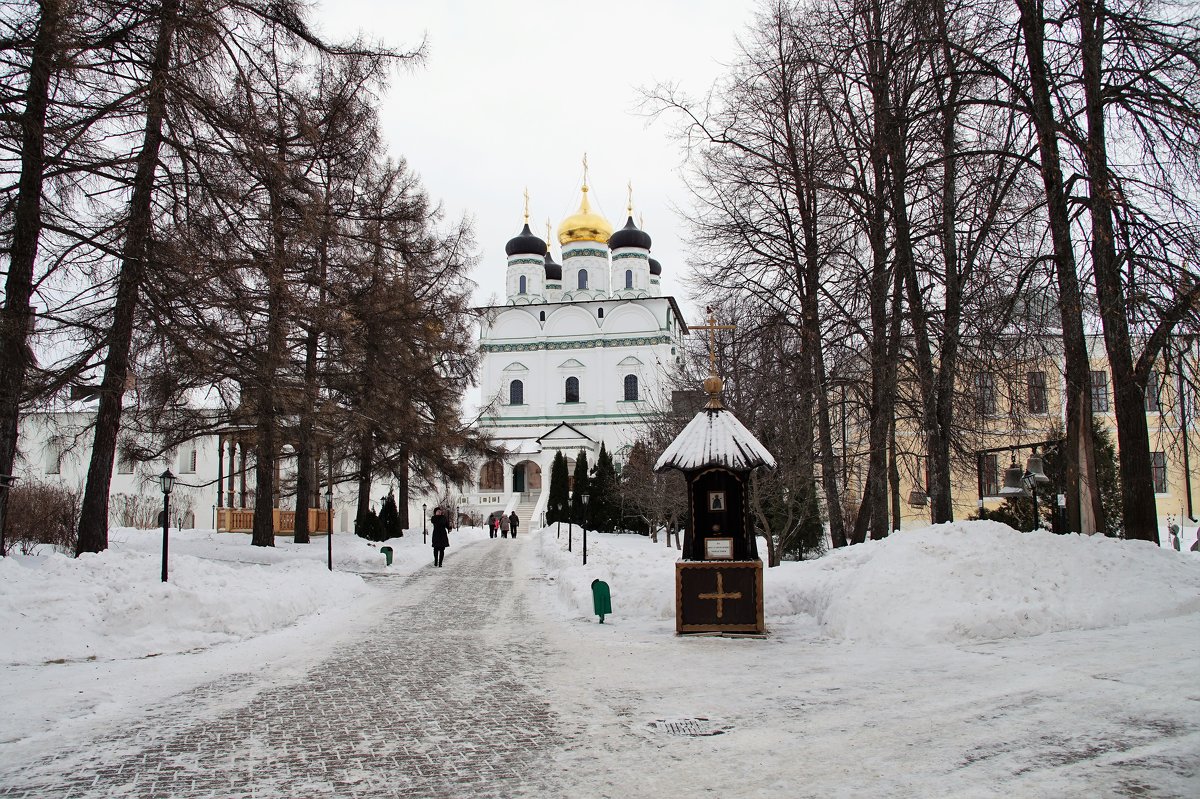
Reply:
x=513, y=94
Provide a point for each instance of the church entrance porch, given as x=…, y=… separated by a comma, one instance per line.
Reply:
x=527, y=478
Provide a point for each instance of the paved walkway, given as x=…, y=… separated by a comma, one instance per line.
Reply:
x=438, y=699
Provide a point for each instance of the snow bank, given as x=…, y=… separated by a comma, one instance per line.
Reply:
x=983, y=580
x=952, y=582
x=113, y=605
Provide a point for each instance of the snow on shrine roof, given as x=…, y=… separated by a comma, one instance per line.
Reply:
x=715, y=437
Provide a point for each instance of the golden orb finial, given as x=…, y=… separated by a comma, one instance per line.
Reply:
x=584, y=224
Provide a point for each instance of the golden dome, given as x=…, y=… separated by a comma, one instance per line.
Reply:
x=584, y=225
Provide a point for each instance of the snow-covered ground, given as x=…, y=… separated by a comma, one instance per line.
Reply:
x=885, y=649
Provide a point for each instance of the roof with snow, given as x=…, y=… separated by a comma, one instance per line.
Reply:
x=715, y=437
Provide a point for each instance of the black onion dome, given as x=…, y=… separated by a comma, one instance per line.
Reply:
x=655, y=267
x=525, y=243
x=629, y=236
x=553, y=270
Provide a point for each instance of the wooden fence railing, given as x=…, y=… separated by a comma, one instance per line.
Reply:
x=241, y=520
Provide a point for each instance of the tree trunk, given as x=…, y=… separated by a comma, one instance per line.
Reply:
x=1084, y=511
x=1139, y=511
x=93, y=519
x=366, y=464
x=16, y=320
x=402, y=487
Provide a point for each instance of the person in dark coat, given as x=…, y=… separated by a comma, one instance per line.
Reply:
x=503, y=524
x=441, y=535
x=513, y=521
x=493, y=524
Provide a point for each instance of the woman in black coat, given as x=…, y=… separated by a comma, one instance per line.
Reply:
x=441, y=535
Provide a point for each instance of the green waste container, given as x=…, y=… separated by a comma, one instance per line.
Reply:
x=601, y=599
x=387, y=553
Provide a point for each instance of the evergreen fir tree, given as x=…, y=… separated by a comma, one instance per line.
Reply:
x=389, y=518
x=368, y=526
x=579, y=488
x=604, y=503
x=558, y=503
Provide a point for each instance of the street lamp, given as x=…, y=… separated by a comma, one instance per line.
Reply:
x=6, y=482
x=585, y=505
x=1035, y=475
x=329, y=519
x=424, y=527
x=166, y=481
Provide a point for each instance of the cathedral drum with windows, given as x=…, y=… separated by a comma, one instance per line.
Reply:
x=578, y=354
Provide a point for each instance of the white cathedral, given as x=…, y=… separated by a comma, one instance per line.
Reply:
x=577, y=355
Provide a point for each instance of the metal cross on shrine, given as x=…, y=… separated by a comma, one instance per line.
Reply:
x=720, y=596
x=712, y=327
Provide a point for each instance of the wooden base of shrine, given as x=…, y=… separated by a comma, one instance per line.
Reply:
x=719, y=596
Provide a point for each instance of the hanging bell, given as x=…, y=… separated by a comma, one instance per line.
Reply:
x=1036, y=468
x=1013, y=486
x=917, y=498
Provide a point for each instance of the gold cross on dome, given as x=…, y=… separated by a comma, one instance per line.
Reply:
x=712, y=327
x=527, y=205
x=720, y=596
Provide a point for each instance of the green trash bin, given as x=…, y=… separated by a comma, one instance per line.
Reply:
x=601, y=599
x=387, y=553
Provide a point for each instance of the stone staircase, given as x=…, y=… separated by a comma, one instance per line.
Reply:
x=526, y=503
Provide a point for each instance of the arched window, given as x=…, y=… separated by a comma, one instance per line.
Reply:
x=599, y=313
x=572, y=392
x=521, y=284
x=516, y=393
x=631, y=388
x=628, y=278
x=491, y=476
x=541, y=316
x=582, y=278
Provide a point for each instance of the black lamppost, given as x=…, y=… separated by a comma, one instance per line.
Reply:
x=6, y=482
x=166, y=481
x=329, y=517
x=570, y=528
x=424, y=527
x=585, y=505
x=1035, y=474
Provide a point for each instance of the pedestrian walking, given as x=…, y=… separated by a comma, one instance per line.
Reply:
x=1196, y=544
x=1173, y=533
x=493, y=525
x=441, y=535
x=513, y=523
x=503, y=525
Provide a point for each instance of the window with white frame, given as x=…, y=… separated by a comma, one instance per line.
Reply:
x=1036, y=388
x=1152, y=392
x=583, y=279
x=516, y=393
x=631, y=388
x=1099, y=390
x=571, y=392
x=628, y=278
x=985, y=394
x=187, y=461
x=1158, y=471
x=522, y=283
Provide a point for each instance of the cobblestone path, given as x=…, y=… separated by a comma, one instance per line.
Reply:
x=437, y=699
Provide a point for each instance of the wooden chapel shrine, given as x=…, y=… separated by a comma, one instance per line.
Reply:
x=718, y=579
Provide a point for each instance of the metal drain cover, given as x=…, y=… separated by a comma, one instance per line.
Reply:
x=696, y=727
